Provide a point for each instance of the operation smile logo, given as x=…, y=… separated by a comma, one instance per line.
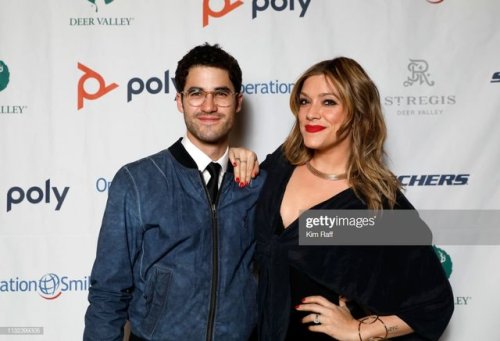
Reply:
x=50, y=286
x=413, y=104
x=257, y=7
x=100, y=21
x=4, y=82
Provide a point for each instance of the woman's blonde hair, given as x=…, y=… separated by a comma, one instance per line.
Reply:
x=367, y=172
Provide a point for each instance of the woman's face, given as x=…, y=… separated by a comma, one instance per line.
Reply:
x=321, y=113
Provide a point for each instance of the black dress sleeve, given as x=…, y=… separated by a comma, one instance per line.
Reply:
x=271, y=159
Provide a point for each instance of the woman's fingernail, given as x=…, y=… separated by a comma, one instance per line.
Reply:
x=234, y=164
x=297, y=306
x=303, y=300
x=237, y=180
x=242, y=185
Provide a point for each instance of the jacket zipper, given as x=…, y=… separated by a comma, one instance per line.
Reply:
x=215, y=261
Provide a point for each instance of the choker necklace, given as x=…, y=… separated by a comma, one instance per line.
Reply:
x=325, y=176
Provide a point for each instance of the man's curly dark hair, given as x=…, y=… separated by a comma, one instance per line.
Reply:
x=208, y=55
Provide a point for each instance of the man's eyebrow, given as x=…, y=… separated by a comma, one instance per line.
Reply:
x=223, y=88
x=194, y=88
x=216, y=88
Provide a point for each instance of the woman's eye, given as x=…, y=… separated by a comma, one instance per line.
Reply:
x=303, y=101
x=329, y=102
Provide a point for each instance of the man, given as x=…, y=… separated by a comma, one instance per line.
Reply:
x=176, y=243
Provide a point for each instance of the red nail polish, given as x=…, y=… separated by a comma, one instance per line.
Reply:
x=237, y=180
x=303, y=300
x=242, y=185
x=234, y=164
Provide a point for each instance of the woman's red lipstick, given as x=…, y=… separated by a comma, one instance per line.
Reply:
x=314, y=128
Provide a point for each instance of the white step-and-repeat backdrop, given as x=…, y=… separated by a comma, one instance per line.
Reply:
x=85, y=86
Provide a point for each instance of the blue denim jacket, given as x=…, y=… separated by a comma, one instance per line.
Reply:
x=167, y=262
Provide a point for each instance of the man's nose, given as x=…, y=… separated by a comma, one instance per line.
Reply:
x=208, y=104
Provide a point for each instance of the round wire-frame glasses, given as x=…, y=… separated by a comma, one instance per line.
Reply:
x=221, y=97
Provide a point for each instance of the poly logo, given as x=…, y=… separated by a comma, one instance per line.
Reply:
x=36, y=195
x=91, y=74
x=445, y=260
x=135, y=85
x=4, y=75
x=418, y=73
x=209, y=12
x=257, y=6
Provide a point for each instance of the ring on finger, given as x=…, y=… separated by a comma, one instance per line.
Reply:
x=316, y=319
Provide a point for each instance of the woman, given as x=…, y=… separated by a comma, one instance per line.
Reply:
x=333, y=159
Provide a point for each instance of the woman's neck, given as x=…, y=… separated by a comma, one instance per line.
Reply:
x=333, y=160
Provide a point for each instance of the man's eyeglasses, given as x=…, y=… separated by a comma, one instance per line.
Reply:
x=221, y=97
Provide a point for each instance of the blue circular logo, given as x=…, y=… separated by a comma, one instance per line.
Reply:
x=48, y=285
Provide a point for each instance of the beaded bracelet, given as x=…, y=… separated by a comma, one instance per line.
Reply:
x=375, y=319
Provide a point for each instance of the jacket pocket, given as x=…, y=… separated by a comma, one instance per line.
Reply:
x=155, y=294
x=247, y=233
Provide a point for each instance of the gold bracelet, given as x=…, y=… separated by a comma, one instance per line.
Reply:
x=362, y=321
x=375, y=319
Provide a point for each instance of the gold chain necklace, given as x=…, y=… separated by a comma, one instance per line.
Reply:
x=325, y=176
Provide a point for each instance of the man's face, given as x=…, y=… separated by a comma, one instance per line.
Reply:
x=208, y=123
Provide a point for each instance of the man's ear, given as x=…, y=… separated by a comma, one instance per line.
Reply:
x=239, y=102
x=178, y=100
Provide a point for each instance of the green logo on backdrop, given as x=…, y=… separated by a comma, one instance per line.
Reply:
x=445, y=260
x=4, y=75
x=107, y=2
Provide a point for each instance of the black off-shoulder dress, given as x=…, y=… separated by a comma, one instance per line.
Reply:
x=407, y=281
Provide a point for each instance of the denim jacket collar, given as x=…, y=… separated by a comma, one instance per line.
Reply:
x=182, y=156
